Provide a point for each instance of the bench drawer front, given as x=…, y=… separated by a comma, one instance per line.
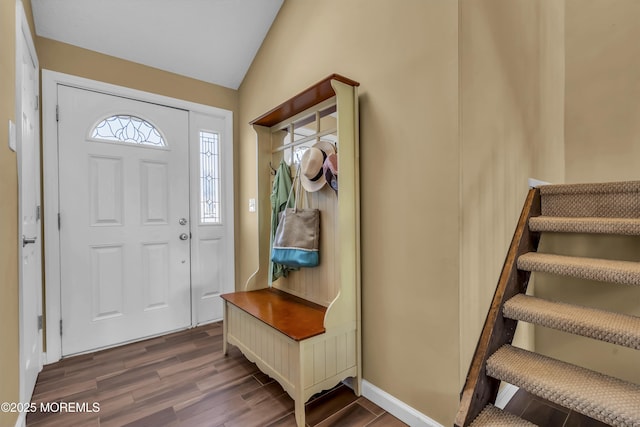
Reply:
x=265, y=346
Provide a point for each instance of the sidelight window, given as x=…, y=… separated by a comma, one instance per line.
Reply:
x=209, y=177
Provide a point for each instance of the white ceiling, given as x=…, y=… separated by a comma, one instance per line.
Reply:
x=210, y=40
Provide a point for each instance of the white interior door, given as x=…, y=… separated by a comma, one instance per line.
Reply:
x=124, y=210
x=30, y=269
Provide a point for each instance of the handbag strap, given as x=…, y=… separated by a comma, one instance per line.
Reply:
x=305, y=193
x=291, y=191
x=297, y=193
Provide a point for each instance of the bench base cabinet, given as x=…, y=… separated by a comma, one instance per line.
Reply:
x=304, y=330
x=303, y=368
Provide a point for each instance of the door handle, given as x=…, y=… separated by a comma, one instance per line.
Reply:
x=184, y=236
x=27, y=240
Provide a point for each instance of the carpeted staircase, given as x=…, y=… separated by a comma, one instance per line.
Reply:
x=608, y=208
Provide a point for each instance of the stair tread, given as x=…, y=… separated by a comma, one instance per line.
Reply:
x=591, y=393
x=607, y=199
x=493, y=416
x=595, y=225
x=602, y=325
x=604, y=270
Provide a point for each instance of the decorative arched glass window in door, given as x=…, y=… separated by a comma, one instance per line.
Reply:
x=128, y=129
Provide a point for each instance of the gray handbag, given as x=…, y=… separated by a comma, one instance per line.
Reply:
x=297, y=239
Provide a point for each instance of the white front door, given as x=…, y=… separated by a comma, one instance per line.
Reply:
x=30, y=269
x=124, y=219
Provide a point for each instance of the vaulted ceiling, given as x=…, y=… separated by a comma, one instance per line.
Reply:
x=210, y=40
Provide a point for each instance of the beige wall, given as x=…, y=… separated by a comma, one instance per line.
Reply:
x=9, y=387
x=603, y=90
x=511, y=120
x=602, y=144
x=405, y=56
x=65, y=58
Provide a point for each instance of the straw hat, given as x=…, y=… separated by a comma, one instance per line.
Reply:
x=311, y=172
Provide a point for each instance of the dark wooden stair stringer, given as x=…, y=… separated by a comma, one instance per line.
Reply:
x=480, y=389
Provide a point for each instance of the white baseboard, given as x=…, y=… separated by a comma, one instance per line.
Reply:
x=396, y=407
x=505, y=395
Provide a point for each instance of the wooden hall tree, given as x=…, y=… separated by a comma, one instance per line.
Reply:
x=304, y=330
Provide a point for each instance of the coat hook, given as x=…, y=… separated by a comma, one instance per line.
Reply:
x=273, y=171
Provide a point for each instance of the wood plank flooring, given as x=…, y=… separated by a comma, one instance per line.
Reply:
x=544, y=413
x=182, y=379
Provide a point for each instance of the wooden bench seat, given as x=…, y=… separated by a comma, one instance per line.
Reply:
x=295, y=317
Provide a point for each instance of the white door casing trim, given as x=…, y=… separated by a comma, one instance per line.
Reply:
x=50, y=81
x=22, y=419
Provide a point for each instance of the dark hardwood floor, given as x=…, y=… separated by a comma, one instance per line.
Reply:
x=182, y=379
x=544, y=413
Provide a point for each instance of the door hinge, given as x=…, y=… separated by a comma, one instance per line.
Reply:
x=59, y=220
x=60, y=327
x=37, y=102
x=40, y=322
x=38, y=213
x=57, y=114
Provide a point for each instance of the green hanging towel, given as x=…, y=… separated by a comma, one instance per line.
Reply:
x=279, y=194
